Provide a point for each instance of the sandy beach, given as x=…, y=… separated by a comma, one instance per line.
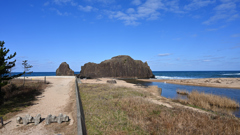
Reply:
x=208, y=82
x=54, y=100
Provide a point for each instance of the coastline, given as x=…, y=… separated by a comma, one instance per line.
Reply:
x=233, y=83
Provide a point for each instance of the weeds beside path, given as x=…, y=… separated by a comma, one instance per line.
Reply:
x=58, y=98
x=120, y=110
x=18, y=97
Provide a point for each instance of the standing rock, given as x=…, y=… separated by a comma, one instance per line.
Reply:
x=121, y=66
x=64, y=70
x=111, y=81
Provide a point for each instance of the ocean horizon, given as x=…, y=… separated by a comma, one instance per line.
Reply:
x=168, y=74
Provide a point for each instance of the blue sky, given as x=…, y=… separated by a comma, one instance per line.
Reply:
x=171, y=35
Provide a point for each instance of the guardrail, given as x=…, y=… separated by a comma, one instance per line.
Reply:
x=81, y=127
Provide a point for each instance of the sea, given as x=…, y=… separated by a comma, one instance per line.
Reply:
x=40, y=73
x=170, y=90
x=169, y=74
x=195, y=74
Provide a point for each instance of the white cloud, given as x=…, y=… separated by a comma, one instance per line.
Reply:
x=173, y=6
x=235, y=35
x=211, y=29
x=194, y=35
x=130, y=10
x=164, y=54
x=196, y=4
x=235, y=47
x=177, y=39
x=136, y=2
x=102, y=1
x=225, y=11
x=233, y=17
x=206, y=60
x=59, y=2
x=225, y=6
x=215, y=18
x=128, y=19
x=148, y=11
x=215, y=29
x=46, y=3
x=73, y=3
x=99, y=17
x=149, y=7
x=61, y=13
x=86, y=8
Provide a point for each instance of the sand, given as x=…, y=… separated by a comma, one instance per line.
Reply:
x=208, y=82
x=53, y=101
x=104, y=81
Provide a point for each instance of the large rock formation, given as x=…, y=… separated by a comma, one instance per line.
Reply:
x=119, y=67
x=64, y=70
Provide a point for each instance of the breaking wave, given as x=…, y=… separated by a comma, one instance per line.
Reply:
x=171, y=77
x=232, y=74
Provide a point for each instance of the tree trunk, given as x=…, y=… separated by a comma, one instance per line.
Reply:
x=24, y=80
x=1, y=96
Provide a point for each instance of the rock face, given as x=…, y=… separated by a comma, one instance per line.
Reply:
x=64, y=70
x=121, y=66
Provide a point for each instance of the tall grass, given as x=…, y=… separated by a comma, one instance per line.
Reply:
x=118, y=110
x=220, y=104
x=209, y=100
x=182, y=92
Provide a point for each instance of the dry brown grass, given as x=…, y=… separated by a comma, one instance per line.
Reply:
x=182, y=92
x=18, y=97
x=209, y=100
x=119, y=110
x=219, y=104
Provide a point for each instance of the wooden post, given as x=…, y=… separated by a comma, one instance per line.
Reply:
x=45, y=79
x=1, y=121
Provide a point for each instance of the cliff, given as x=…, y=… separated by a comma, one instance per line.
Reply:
x=121, y=66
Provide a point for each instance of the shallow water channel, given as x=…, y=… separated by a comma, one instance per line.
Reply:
x=170, y=91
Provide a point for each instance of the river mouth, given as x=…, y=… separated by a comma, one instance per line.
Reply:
x=170, y=91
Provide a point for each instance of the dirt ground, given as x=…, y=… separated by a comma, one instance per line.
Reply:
x=54, y=100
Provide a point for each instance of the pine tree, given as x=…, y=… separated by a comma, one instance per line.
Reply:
x=5, y=68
